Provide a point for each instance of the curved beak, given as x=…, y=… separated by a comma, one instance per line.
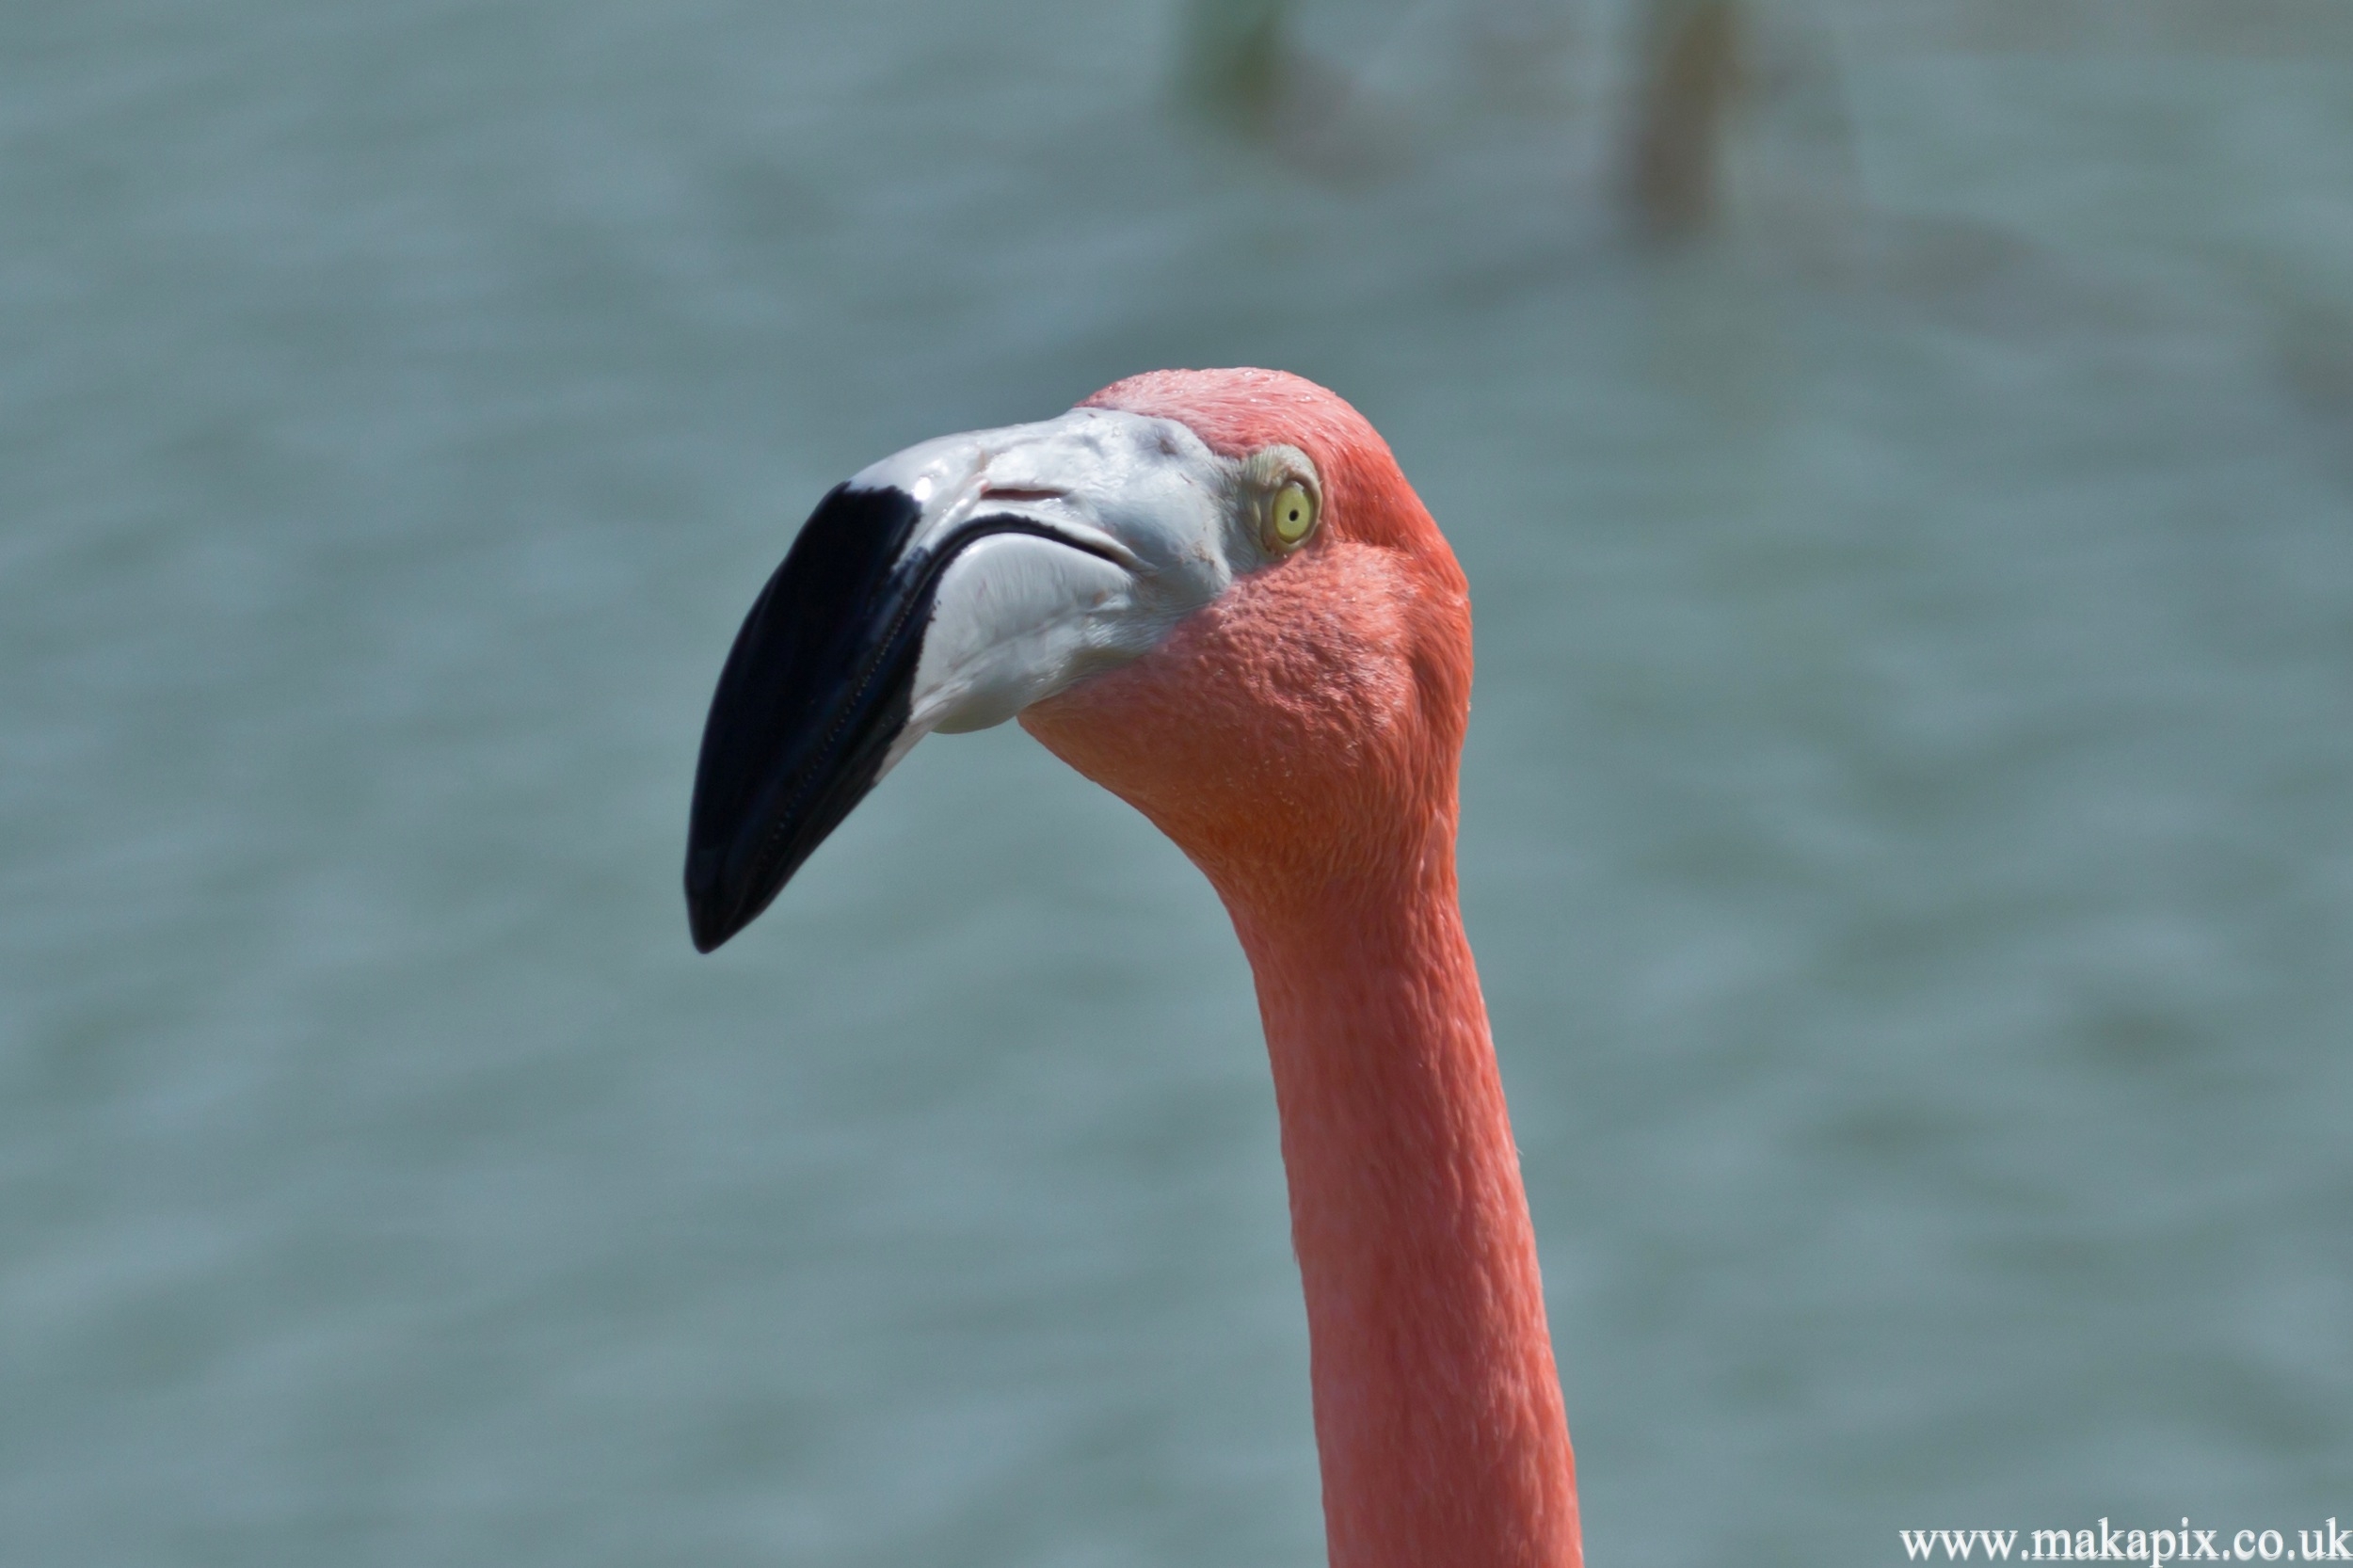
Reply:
x=946, y=587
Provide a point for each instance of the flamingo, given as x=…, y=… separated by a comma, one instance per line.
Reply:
x=1214, y=593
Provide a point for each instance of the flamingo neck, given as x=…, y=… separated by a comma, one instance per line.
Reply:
x=1437, y=1408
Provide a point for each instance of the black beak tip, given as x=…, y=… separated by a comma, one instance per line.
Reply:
x=814, y=690
x=710, y=936
x=712, y=917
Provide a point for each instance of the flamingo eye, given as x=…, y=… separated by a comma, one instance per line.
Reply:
x=1290, y=518
x=1281, y=487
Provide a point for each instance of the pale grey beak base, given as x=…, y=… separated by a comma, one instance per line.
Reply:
x=1136, y=530
x=946, y=587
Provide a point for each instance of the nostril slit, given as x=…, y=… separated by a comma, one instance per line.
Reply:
x=1008, y=492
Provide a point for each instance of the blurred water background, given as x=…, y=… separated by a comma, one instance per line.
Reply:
x=1903, y=457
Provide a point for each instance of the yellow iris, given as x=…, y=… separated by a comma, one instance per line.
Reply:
x=1292, y=516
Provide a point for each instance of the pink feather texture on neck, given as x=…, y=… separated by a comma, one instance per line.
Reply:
x=1299, y=740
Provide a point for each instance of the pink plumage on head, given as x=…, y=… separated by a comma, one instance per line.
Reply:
x=1236, y=411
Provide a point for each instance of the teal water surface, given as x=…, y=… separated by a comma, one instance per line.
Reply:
x=1909, y=810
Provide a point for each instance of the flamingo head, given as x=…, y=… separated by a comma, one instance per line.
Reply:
x=1210, y=591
